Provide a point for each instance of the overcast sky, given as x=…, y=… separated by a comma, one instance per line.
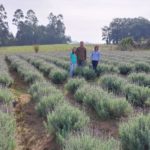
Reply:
x=83, y=18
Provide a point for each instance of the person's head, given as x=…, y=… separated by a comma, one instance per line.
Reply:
x=96, y=48
x=74, y=50
x=81, y=44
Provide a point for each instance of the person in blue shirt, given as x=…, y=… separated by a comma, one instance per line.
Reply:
x=73, y=61
x=95, y=57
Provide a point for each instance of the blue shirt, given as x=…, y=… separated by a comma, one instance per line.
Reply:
x=73, y=58
x=95, y=55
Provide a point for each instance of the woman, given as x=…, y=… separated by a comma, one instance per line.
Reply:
x=73, y=61
x=95, y=57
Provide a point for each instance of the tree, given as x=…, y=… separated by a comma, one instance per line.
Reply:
x=18, y=17
x=4, y=29
x=106, y=32
x=120, y=28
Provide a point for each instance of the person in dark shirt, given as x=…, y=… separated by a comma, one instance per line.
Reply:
x=81, y=54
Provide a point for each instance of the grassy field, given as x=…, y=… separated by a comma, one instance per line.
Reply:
x=47, y=48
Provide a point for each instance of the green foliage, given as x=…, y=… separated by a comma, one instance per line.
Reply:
x=126, y=43
x=142, y=67
x=112, y=83
x=58, y=76
x=106, y=68
x=6, y=80
x=65, y=119
x=87, y=142
x=7, y=132
x=49, y=103
x=6, y=96
x=39, y=90
x=25, y=70
x=135, y=134
x=137, y=95
x=57, y=61
x=36, y=48
x=125, y=68
x=78, y=71
x=73, y=84
x=120, y=28
x=88, y=73
x=104, y=104
x=141, y=79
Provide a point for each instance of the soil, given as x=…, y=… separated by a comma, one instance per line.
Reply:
x=30, y=133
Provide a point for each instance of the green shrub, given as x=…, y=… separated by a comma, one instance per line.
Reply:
x=6, y=96
x=126, y=44
x=104, y=104
x=137, y=95
x=106, y=68
x=65, y=119
x=6, y=80
x=7, y=132
x=141, y=79
x=125, y=68
x=135, y=134
x=73, y=84
x=78, y=71
x=36, y=48
x=58, y=76
x=49, y=103
x=32, y=77
x=113, y=108
x=142, y=67
x=113, y=83
x=88, y=73
x=39, y=90
x=87, y=142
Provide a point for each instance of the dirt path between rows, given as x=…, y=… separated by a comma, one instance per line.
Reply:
x=30, y=132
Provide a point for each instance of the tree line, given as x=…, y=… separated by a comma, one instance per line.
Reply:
x=136, y=28
x=29, y=31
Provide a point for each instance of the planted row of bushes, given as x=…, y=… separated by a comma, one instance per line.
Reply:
x=135, y=133
x=103, y=103
x=7, y=131
x=135, y=94
x=87, y=72
x=5, y=79
x=50, y=103
x=7, y=122
x=126, y=68
x=59, y=62
x=84, y=141
x=142, y=79
x=25, y=70
x=57, y=75
x=61, y=117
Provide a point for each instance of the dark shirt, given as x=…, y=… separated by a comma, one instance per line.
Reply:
x=81, y=53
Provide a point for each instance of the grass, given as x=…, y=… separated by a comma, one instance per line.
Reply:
x=48, y=48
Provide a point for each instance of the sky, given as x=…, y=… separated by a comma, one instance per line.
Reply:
x=83, y=18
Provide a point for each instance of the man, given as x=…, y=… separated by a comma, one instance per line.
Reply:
x=81, y=54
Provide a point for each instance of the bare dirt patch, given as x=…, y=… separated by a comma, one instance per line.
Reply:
x=30, y=132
